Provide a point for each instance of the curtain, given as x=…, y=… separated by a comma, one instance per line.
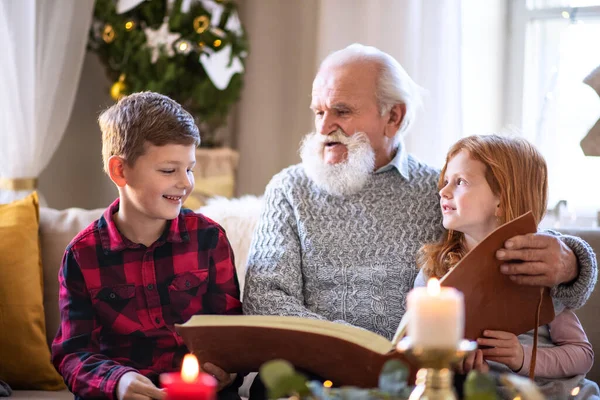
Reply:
x=290, y=39
x=42, y=45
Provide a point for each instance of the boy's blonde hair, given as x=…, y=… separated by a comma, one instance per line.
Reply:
x=515, y=171
x=144, y=117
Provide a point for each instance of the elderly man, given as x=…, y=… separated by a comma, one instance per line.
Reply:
x=339, y=234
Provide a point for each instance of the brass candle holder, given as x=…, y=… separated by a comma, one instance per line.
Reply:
x=435, y=376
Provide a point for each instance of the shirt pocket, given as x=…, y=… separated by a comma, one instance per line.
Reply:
x=186, y=292
x=116, y=308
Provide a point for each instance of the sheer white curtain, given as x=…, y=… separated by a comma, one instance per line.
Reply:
x=290, y=38
x=42, y=45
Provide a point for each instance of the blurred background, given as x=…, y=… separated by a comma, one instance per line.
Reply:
x=527, y=67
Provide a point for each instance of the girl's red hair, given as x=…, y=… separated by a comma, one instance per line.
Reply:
x=515, y=171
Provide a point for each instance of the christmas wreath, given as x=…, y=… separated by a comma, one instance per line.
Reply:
x=190, y=50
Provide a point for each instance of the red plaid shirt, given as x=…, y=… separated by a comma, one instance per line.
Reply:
x=119, y=300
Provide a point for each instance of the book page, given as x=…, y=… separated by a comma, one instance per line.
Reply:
x=349, y=333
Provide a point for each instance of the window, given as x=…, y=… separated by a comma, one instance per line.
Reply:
x=554, y=45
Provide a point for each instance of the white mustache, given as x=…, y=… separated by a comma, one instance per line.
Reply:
x=338, y=136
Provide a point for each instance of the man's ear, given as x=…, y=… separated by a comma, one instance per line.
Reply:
x=397, y=113
x=116, y=170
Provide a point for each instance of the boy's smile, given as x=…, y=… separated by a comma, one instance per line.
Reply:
x=156, y=186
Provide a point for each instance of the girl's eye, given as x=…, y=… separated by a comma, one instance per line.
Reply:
x=190, y=171
x=167, y=171
x=460, y=181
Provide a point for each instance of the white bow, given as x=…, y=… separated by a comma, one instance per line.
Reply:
x=217, y=68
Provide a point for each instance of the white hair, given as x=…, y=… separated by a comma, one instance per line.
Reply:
x=344, y=178
x=394, y=85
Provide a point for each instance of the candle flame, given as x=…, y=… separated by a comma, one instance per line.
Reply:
x=327, y=384
x=190, y=368
x=575, y=391
x=433, y=287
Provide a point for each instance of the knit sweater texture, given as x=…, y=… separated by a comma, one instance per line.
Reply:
x=348, y=259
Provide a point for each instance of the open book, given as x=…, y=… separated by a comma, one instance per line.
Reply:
x=492, y=300
x=348, y=355
x=344, y=354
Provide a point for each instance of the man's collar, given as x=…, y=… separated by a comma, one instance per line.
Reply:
x=400, y=162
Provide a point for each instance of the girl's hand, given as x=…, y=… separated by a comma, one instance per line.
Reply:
x=505, y=348
x=473, y=361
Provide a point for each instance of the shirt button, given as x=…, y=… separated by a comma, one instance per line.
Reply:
x=112, y=295
x=150, y=286
x=187, y=284
x=157, y=320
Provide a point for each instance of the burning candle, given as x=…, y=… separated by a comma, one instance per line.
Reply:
x=190, y=384
x=436, y=316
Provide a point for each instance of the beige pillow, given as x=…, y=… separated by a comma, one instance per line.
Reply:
x=57, y=229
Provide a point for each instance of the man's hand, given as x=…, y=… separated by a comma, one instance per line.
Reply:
x=134, y=386
x=505, y=348
x=473, y=361
x=223, y=378
x=546, y=260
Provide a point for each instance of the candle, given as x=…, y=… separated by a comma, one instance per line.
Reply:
x=436, y=316
x=190, y=384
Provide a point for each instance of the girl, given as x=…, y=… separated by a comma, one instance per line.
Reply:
x=487, y=181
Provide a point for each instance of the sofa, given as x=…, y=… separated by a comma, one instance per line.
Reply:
x=238, y=217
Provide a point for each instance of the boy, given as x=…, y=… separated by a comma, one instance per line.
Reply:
x=145, y=265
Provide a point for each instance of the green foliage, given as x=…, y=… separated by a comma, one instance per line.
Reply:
x=480, y=386
x=181, y=76
x=280, y=379
x=393, y=378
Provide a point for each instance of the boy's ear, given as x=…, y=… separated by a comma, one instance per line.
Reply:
x=397, y=113
x=116, y=170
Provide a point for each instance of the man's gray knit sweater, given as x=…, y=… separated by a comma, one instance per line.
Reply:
x=349, y=259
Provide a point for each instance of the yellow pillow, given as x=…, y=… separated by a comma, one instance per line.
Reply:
x=24, y=353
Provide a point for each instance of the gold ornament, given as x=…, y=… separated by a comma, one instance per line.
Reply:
x=201, y=23
x=129, y=25
x=108, y=34
x=217, y=43
x=183, y=47
x=201, y=45
x=117, y=90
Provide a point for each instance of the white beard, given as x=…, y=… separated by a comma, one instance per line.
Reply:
x=344, y=178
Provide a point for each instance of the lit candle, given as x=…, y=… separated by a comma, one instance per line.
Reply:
x=190, y=384
x=436, y=316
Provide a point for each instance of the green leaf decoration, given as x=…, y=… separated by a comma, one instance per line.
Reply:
x=393, y=378
x=281, y=379
x=480, y=386
x=272, y=371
